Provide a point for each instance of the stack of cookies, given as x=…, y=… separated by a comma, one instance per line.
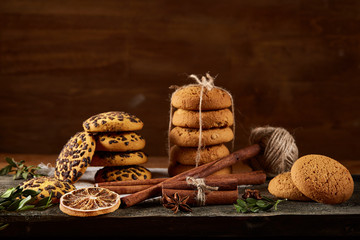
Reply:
x=216, y=119
x=118, y=146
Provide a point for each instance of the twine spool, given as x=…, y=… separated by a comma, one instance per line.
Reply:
x=280, y=150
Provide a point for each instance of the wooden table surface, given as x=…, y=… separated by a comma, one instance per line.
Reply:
x=149, y=218
x=307, y=219
x=153, y=162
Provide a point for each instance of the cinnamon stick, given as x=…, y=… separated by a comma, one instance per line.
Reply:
x=127, y=189
x=245, y=178
x=198, y=172
x=222, y=184
x=151, y=181
x=211, y=198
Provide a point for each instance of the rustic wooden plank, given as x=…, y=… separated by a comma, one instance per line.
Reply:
x=290, y=64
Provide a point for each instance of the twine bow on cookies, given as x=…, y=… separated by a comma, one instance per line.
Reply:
x=206, y=81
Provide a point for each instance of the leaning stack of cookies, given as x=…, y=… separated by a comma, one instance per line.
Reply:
x=314, y=177
x=109, y=140
x=217, y=120
x=118, y=146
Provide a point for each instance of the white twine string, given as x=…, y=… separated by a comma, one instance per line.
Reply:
x=207, y=82
x=201, y=187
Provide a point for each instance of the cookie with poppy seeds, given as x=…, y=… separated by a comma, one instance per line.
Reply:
x=119, y=142
x=122, y=173
x=114, y=121
x=118, y=158
x=75, y=157
x=48, y=185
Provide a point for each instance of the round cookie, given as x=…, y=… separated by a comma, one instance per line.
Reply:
x=119, y=142
x=210, y=119
x=75, y=157
x=187, y=156
x=189, y=98
x=118, y=158
x=175, y=169
x=48, y=185
x=122, y=173
x=282, y=186
x=114, y=121
x=189, y=137
x=322, y=179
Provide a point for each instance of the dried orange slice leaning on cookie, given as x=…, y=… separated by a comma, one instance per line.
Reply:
x=88, y=202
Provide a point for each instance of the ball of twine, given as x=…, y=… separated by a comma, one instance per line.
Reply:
x=280, y=150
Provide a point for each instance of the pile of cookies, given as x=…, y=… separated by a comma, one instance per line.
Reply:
x=314, y=177
x=217, y=119
x=110, y=140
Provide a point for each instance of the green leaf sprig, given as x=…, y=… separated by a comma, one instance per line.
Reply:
x=17, y=199
x=21, y=170
x=256, y=205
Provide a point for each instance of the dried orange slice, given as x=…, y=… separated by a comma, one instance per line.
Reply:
x=91, y=201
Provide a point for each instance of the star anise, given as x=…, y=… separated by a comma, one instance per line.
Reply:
x=176, y=203
x=249, y=193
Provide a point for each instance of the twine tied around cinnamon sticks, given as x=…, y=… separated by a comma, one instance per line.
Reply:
x=201, y=187
x=207, y=82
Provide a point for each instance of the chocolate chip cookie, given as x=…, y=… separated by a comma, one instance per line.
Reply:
x=119, y=142
x=115, y=121
x=118, y=158
x=75, y=157
x=122, y=173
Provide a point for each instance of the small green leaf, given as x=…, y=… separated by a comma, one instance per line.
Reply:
x=30, y=192
x=237, y=208
x=24, y=201
x=251, y=200
x=8, y=193
x=11, y=161
x=14, y=205
x=241, y=203
x=261, y=204
x=4, y=171
x=25, y=175
x=26, y=207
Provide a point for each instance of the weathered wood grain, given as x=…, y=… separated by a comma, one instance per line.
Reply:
x=293, y=64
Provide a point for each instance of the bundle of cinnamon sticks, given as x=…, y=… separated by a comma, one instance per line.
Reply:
x=226, y=193
x=155, y=189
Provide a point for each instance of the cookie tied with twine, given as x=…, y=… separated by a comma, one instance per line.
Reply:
x=206, y=84
x=279, y=150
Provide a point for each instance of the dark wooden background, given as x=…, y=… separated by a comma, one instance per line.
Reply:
x=294, y=64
